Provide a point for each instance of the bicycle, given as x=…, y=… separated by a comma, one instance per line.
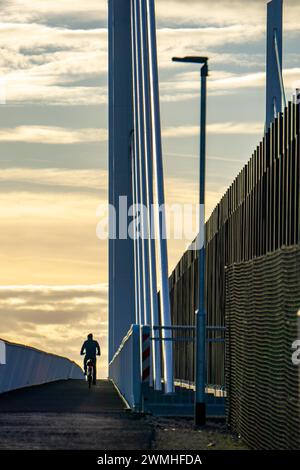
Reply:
x=90, y=372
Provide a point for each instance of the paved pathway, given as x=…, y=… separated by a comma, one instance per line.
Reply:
x=67, y=415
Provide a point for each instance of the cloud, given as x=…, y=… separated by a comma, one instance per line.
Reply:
x=52, y=135
x=49, y=220
x=65, y=136
x=186, y=85
x=223, y=12
x=55, y=318
x=48, y=236
x=43, y=64
x=54, y=177
x=38, y=61
x=181, y=191
x=211, y=41
x=223, y=128
x=26, y=10
x=202, y=39
x=35, y=94
x=195, y=12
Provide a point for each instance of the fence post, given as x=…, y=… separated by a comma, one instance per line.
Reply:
x=200, y=375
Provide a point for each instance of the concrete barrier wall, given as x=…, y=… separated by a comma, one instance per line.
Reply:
x=23, y=366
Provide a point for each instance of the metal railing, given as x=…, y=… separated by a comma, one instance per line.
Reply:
x=183, y=340
x=131, y=370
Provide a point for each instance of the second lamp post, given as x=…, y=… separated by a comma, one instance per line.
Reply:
x=200, y=350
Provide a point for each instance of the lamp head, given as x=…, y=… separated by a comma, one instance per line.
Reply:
x=191, y=59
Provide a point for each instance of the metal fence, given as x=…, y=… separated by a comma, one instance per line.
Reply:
x=131, y=371
x=258, y=214
x=182, y=338
x=182, y=401
x=262, y=302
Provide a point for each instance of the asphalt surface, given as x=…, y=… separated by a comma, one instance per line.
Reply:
x=67, y=415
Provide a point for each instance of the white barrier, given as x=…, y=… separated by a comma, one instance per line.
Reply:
x=23, y=366
x=2, y=353
x=125, y=369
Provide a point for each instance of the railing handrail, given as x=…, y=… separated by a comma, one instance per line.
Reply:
x=125, y=368
x=175, y=327
x=188, y=327
x=125, y=339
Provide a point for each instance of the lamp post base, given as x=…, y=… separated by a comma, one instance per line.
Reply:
x=200, y=414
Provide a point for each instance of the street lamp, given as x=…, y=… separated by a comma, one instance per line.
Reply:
x=200, y=350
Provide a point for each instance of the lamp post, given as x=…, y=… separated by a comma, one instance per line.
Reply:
x=200, y=350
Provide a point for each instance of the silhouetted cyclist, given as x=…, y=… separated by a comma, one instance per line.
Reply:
x=91, y=349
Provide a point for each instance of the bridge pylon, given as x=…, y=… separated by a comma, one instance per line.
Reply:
x=136, y=172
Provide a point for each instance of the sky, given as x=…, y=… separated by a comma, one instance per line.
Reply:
x=53, y=144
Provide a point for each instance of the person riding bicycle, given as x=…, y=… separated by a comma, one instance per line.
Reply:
x=91, y=349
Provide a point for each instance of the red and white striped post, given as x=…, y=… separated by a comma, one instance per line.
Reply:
x=146, y=354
